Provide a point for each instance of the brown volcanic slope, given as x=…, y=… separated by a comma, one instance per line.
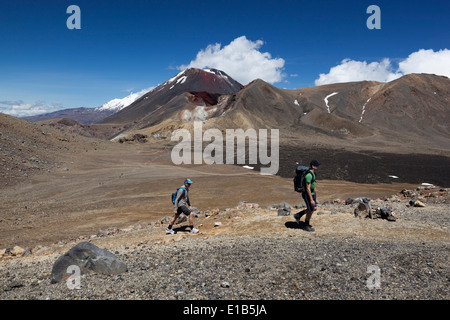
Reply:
x=70, y=126
x=410, y=112
x=27, y=149
x=368, y=130
x=414, y=109
x=190, y=80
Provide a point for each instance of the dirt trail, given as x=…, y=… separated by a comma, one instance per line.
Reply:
x=108, y=188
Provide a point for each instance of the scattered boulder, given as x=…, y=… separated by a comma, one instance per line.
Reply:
x=195, y=210
x=407, y=193
x=282, y=205
x=107, y=232
x=284, y=212
x=41, y=250
x=17, y=251
x=352, y=201
x=299, y=205
x=416, y=203
x=212, y=212
x=349, y=201
x=385, y=213
x=165, y=220
x=181, y=218
x=138, y=137
x=363, y=209
x=234, y=214
x=87, y=256
x=393, y=198
x=27, y=252
x=245, y=204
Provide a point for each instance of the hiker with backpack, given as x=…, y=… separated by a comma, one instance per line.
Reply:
x=180, y=200
x=305, y=182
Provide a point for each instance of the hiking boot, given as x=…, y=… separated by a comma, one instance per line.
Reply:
x=194, y=230
x=308, y=228
x=298, y=215
x=171, y=231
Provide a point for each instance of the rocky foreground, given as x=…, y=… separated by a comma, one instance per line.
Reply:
x=248, y=252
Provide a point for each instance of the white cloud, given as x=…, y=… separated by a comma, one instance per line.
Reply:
x=351, y=70
x=427, y=61
x=241, y=59
x=22, y=109
x=422, y=61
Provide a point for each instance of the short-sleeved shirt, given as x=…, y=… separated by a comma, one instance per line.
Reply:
x=310, y=177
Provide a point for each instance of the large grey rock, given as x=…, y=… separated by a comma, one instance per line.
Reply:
x=362, y=210
x=87, y=256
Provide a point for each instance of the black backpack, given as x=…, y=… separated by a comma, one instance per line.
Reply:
x=299, y=180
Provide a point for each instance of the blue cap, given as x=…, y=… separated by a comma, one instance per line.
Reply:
x=188, y=181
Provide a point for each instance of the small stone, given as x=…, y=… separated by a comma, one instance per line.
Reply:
x=418, y=203
x=17, y=251
x=283, y=212
x=43, y=250
x=225, y=284
x=217, y=224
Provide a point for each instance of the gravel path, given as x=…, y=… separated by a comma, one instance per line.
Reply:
x=256, y=255
x=249, y=267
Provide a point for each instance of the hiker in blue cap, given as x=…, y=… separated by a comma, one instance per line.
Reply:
x=180, y=201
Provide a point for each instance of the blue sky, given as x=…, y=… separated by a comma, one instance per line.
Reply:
x=127, y=46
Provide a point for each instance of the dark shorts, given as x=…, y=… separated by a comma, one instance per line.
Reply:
x=308, y=202
x=183, y=209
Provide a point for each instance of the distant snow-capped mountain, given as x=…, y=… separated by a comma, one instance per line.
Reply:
x=118, y=104
x=209, y=80
x=91, y=115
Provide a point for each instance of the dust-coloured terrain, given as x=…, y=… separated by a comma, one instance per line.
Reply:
x=60, y=189
x=118, y=199
x=249, y=252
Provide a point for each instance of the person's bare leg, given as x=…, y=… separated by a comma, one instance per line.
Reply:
x=191, y=219
x=308, y=216
x=307, y=219
x=172, y=221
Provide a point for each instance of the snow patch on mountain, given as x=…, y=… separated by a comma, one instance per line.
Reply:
x=119, y=104
x=176, y=77
x=326, y=100
x=364, y=109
